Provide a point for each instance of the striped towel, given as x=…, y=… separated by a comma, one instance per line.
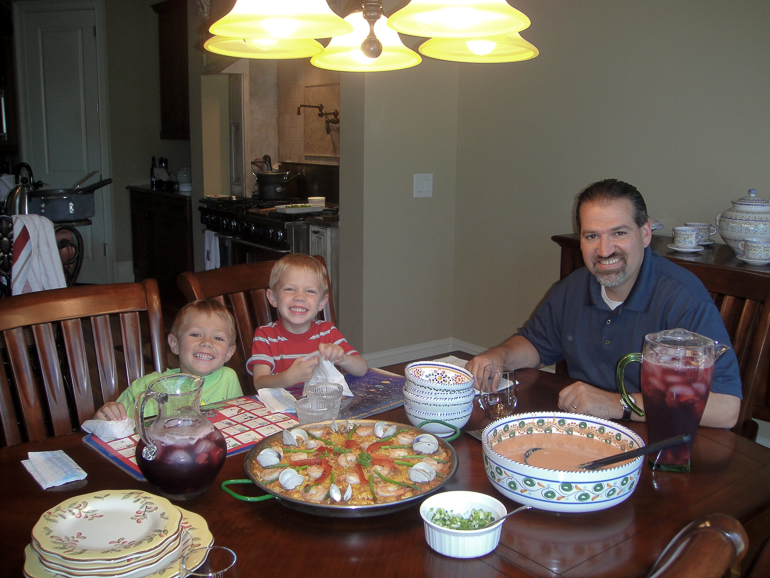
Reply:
x=36, y=264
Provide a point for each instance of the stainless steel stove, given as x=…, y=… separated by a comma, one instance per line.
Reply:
x=251, y=230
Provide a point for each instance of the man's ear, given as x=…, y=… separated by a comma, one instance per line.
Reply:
x=230, y=352
x=174, y=344
x=271, y=298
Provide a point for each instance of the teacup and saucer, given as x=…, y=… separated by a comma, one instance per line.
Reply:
x=686, y=240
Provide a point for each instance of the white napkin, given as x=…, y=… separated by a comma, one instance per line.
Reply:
x=325, y=372
x=108, y=431
x=53, y=468
x=504, y=384
x=277, y=399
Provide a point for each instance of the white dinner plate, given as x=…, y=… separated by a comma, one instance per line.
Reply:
x=296, y=210
x=108, y=526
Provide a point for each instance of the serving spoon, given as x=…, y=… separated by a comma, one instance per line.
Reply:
x=623, y=456
x=502, y=518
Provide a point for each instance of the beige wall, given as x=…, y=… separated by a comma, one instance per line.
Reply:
x=670, y=96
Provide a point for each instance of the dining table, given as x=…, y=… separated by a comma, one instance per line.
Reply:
x=730, y=474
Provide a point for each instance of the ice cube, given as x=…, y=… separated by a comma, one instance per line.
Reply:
x=179, y=458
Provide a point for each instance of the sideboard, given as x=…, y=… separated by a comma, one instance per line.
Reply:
x=716, y=255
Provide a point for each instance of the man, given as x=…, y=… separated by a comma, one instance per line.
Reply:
x=601, y=312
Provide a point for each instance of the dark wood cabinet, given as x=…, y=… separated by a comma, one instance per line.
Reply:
x=161, y=239
x=9, y=116
x=174, y=88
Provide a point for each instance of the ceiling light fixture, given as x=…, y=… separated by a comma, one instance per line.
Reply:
x=508, y=48
x=344, y=52
x=280, y=19
x=458, y=18
x=263, y=48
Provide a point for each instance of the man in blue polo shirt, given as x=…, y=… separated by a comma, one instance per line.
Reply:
x=601, y=312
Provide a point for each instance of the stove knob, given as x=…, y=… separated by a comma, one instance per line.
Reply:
x=252, y=229
x=233, y=225
x=279, y=235
x=271, y=234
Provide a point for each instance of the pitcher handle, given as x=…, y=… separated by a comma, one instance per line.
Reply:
x=619, y=372
x=150, y=450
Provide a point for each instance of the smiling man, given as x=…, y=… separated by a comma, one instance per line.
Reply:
x=601, y=312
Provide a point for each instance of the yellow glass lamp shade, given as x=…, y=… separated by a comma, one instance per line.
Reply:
x=344, y=52
x=458, y=18
x=280, y=19
x=267, y=49
x=508, y=48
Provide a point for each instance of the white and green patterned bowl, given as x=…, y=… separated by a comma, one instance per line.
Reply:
x=554, y=490
x=437, y=375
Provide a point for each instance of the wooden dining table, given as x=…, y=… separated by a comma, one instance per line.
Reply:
x=730, y=474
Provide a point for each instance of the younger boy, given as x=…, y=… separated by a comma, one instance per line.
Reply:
x=203, y=336
x=298, y=290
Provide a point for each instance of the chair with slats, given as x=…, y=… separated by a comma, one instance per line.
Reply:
x=242, y=289
x=705, y=548
x=743, y=299
x=49, y=388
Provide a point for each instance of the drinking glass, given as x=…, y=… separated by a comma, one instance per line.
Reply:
x=332, y=391
x=497, y=391
x=218, y=561
x=315, y=409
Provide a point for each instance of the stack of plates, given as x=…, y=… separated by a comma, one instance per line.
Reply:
x=115, y=533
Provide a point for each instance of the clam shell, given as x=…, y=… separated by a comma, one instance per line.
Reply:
x=336, y=494
x=383, y=430
x=421, y=473
x=425, y=444
x=293, y=437
x=269, y=457
x=290, y=479
x=338, y=426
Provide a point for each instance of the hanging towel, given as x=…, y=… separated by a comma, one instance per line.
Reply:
x=211, y=245
x=36, y=264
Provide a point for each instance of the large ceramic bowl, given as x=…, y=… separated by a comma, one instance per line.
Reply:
x=455, y=418
x=555, y=490
x=438, y=375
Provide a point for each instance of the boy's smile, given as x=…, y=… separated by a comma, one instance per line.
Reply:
x=203, y=345
x=298, y=299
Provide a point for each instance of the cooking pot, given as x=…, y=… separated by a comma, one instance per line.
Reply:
x=16, y=202
x=271, y=185
x=64, y=205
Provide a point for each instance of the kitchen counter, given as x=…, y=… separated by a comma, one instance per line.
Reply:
x=145, y=188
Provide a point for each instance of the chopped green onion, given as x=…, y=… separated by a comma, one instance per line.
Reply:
x=476, y=520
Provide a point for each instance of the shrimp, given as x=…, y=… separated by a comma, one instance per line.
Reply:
x=346, y=460
x=364, y=430
x=317, y=432
x=315, y=444
x=438, y=466
x=352, y=478
x=315, y=472
x=384, y=469
x=398, y=453
x=405, y=438
x=314, y=493
x=389, y=491
x=295, y=457
x=270, y=475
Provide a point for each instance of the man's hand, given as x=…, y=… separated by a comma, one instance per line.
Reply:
x=580, y=397
x=477, y=364
x=111, y=411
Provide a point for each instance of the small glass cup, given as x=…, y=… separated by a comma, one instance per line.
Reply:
x=332, y=391
x=209, y=562
x=497, y=391
x=315, y=409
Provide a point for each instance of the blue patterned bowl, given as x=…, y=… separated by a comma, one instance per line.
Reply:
x=556, y=490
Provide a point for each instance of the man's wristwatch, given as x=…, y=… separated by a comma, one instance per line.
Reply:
x=626, y=407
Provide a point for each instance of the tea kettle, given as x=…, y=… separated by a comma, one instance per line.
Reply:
x=16, y=203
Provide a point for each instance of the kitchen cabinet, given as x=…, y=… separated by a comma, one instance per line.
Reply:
x=9, y=124
x=324, y=241
x=161, y=239
x=174, y=87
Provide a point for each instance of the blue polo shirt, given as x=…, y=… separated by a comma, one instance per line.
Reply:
x=575, y=324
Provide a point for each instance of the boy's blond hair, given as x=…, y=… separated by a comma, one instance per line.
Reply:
x=300, y=261
x=209, y=307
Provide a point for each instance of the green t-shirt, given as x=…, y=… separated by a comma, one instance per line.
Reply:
x=221, y=385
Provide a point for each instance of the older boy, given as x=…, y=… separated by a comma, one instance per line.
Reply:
x=203, y=336
x=298, y=290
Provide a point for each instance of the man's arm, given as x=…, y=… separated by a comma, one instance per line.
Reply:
x=514, y=353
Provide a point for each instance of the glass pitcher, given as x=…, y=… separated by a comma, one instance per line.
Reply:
x=181, y=452
x=677, y=368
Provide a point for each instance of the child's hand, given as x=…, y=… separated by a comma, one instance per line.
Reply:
x=111, y=411
x=302, y=370
x=331, y=352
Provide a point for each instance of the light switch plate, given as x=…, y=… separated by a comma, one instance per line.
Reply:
x=423, y=185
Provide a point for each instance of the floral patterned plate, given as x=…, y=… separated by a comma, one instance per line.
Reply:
x=198, y=536
x=108, y=526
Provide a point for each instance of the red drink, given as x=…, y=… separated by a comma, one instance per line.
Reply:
x=674, y=400
x=190, y=453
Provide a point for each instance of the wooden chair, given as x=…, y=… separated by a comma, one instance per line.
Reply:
x=743, y=299
x=242, y=289
x=705, y=548
x=51, y=391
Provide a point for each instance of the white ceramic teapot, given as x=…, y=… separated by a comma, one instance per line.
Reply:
x=748, y=217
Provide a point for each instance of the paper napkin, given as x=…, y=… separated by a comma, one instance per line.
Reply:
x=53, y=468
x=108, y=431
x=325, y=372
x=277, y=399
